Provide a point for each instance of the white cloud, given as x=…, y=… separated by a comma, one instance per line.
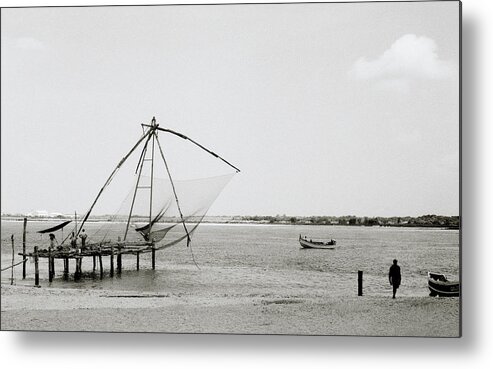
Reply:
x=409, y=58
x=28, y=43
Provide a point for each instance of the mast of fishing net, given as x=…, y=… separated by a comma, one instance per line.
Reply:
x=140, y=165
x=138, y=170
x=153, y=134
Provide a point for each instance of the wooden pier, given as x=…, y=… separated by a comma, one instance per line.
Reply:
x=159, y=219
x=94, y=252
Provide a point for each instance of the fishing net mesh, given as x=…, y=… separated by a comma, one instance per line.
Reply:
x=170, y=219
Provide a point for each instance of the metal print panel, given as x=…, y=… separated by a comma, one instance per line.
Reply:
x=237, y=169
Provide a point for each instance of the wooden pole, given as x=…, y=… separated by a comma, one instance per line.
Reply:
x=100, y=265
x=36, y=266
x=24, y=249
x=150, y=198
x=119, y=261
x=360, y=283
x=66, y=268
x=13, y=252
x=93, y=263
x=77, y=268
x=152, y=177
x=112, y=267
x=50, y=271
x=195, y=143
x=138, y=255
x=141, y=166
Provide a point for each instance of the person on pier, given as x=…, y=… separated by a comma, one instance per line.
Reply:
x=53, y=241
x=73, y=241
x=83, y=237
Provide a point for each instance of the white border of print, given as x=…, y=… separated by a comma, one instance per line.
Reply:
x=84, y=350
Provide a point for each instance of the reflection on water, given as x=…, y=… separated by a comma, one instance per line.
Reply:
x=264, y=260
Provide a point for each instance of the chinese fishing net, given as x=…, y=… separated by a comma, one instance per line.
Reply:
x=162, y=194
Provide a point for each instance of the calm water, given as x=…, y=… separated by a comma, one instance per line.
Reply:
x=251, y=260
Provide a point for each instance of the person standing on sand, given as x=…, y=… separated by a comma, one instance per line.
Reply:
x=395, y=277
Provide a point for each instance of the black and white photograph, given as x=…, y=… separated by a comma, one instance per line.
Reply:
x=240, y=169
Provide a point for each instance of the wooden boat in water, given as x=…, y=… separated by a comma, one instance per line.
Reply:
x=311, y=244
x=440, y=286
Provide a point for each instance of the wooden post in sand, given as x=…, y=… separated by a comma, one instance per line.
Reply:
x=78, y=267
x=153, y=252
x=360, y=283
x=50, y=271
x=138, y=255
x=112, y=267
x=24, y=249
x=100, y=265
x=12, y=271
x=119, y=260
x=76, y=274
x=66, y=266
x=93, y=263
x=36, y=266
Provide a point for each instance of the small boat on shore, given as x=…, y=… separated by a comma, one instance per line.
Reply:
x=311, y=244
x=440, y=286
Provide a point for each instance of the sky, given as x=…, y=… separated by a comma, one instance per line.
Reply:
x=327, y=109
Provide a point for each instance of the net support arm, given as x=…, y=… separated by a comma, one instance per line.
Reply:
x=110, y=178
x=199, y=145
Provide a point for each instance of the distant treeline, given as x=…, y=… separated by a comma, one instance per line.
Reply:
x=351, y=220
x=346, y=220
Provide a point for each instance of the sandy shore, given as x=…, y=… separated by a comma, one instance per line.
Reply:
x=49, y=309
